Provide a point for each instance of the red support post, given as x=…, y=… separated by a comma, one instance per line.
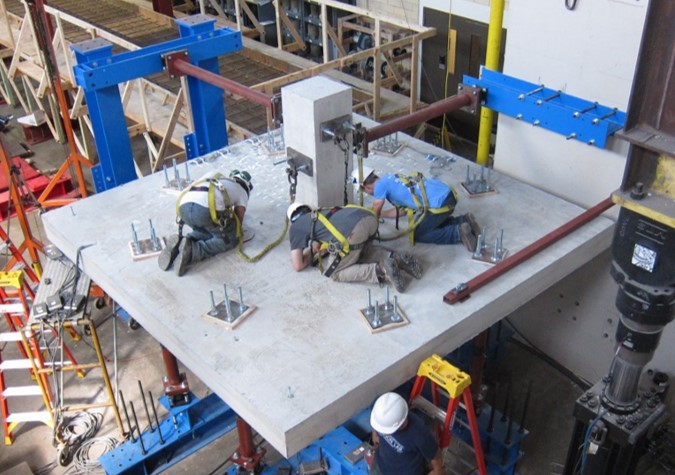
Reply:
x=176, y=386
x=246, y=456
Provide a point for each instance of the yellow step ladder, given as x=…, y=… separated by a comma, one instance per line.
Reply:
x=456, y=384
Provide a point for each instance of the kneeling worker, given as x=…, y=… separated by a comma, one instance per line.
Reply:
x=214, y=207
x=345, y=234
x=415, y=195
x=403, y=444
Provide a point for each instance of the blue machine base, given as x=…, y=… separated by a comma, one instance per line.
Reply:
x=189, y=428
x=332, y=448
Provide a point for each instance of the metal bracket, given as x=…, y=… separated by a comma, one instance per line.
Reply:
x=554, y=110
x=335, y=129
x=171, y=58
x=300, y=162
x=477, y=97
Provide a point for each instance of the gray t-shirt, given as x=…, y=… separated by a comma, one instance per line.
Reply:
x=344, y=220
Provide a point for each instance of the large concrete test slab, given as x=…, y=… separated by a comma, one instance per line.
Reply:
x=304, y=362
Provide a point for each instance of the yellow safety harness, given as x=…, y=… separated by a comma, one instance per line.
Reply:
x=339, y=246
x=417, y=179
x=211, y=185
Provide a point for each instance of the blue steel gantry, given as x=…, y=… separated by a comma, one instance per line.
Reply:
x=99, y=73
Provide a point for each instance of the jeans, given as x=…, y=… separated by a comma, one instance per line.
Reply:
x=442, y=228
x=208, y=238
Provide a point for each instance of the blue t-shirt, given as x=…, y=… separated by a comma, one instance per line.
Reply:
x=407, y=451
x=391, y=188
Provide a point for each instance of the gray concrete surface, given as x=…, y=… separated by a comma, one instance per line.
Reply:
x=305, y=336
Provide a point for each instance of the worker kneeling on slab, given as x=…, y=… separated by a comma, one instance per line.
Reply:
x=428, y=204
x=214, y=207
x=403, y=444
x=341, y=239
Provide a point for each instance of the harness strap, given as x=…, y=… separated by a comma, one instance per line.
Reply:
x=212, y=184
x=339, y=247
x=418, y=179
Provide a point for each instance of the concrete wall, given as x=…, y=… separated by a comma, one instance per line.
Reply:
x=591, y=53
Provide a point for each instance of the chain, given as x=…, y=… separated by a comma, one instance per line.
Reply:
x=347, y=175
x=292, y=172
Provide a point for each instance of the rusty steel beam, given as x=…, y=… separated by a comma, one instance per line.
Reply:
x=436, y=109
x=464, y=290
x=177, y=66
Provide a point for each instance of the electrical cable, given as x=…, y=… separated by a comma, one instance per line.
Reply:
x=532, y=348
x=587, y=438
x=85, y=459
x=571, y=5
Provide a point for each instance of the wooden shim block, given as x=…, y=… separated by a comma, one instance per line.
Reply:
x=146, y=249
x=220, y=319
x=385, y=318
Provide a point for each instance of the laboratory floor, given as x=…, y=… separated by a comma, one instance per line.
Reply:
x=134, y=359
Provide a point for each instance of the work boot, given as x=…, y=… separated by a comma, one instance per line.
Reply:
x=471, y=219
x=169, y=253
x=408, y=263
x=184, y=256
x=392, y=274
x=467, y=236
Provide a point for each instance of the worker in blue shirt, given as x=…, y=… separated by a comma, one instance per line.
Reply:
x=410, y=195
x=403, y=444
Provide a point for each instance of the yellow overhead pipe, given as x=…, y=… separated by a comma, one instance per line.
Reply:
x=494, y=46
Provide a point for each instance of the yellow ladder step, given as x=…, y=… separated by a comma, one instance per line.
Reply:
x=447, y=376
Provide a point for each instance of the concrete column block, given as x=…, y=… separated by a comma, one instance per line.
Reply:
x=306, y=106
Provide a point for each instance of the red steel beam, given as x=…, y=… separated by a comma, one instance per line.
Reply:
x=463, y=291
x=179, y=66
x=434, y=110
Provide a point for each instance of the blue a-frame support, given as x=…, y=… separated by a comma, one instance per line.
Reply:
x=99, y=73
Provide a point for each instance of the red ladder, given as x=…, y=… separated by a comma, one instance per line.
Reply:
x=457, y=384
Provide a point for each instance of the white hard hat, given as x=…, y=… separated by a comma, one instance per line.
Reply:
x=367, y=171
x=293, y=208
x=389, y=413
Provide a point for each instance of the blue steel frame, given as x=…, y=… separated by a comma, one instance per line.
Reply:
x=188, y=428
x=99, y=73
x=550, y=109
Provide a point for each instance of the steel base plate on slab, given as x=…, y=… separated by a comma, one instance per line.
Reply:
x=486, y=256
x=236, y=315
x=390, y=151
x=474, y=188
x=388, y=319
x=146, y=248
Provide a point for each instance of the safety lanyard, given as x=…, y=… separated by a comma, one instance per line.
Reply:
x=214, y=184
x=343, y=247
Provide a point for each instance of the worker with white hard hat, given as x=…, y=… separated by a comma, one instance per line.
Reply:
x=403, y=444
x=213, y=207
x=428, y=204
x=341, y=239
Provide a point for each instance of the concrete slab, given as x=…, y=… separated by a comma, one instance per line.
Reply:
x=303, y=363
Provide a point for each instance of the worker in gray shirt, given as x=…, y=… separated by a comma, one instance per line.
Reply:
x=341, y=239
x=213, y=207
